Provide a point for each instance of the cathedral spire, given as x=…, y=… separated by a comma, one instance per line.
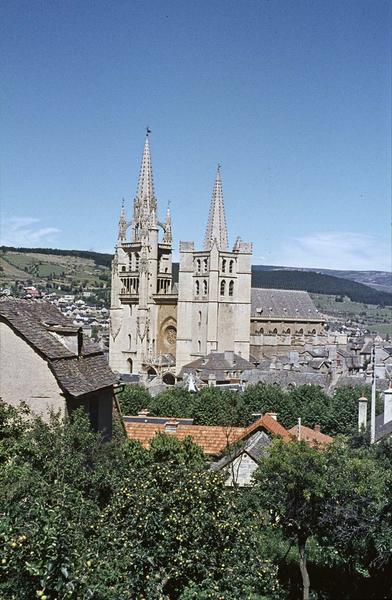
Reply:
x=145, y=188
x=216, y=226
x=145, y=204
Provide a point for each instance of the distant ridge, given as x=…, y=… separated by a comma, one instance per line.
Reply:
x=319, y=283
x=98, y=257
x=314, y=281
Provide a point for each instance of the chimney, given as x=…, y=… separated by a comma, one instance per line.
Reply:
x=211, y=380
x=273, y=415
x=362, y=413
x=229, y=356
x=317, y=428
x=144, y=412
x=388, y=404
x=171, y=426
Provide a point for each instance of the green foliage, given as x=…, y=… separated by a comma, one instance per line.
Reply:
x=83, y=519
x=337, y=414
x=133, y=398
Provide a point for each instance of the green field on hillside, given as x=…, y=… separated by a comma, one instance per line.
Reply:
x=375, y=318
x=58, y=269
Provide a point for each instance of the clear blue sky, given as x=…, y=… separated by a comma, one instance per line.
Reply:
x=293, y=98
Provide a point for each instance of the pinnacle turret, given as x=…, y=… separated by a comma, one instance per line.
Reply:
x=122, y=223
x=216, y=226
x=167, y=236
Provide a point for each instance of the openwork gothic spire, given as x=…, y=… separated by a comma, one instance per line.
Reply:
x=145, y=187
x=216, y=226
x=145, y=204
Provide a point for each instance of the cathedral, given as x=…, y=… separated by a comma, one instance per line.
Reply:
x=157, y=325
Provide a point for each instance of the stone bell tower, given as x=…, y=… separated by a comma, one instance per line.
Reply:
x=214, y=291
x=141, y=281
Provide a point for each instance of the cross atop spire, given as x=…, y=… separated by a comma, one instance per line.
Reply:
x=216, y=226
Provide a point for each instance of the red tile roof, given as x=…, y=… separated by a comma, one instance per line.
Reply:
x=311, y=436
x=213, y=440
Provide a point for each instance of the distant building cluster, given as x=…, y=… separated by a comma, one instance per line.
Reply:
x=92, y=317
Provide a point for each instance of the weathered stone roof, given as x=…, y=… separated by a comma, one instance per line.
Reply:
x=286, y=378
x=39, y=324
x=382, y=429
x=218, y=364
x=283, y=304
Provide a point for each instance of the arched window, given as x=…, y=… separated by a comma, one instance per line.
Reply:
x=199, y=317
x=261, y=330
x=198, y=265
x=222, y=287
x=137, y=261
x=288, y=331
x=314, y=332
x=198, y=345
x=205, y=288
x=223, y=265
x=301, y=331
x=231, y=288
x=130, y=365
x=275, y=330
x=197, y=287
x=123, y=269
x=205, y=265
x=130, y=342
x=231, y=266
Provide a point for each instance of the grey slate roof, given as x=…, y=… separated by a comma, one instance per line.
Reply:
x=382, y=430
x=35, y=321
x=286, y=378
x=216, y=363
x=283, y=303
x=256, y=446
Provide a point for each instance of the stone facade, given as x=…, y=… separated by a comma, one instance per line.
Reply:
x=143, y=305
x=149, y=317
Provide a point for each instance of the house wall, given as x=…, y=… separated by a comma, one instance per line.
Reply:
x=241, y=470
x=99, y=407
x=26, y=376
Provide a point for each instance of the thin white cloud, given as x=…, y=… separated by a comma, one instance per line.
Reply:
x=26, y=231
x=336, y=250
